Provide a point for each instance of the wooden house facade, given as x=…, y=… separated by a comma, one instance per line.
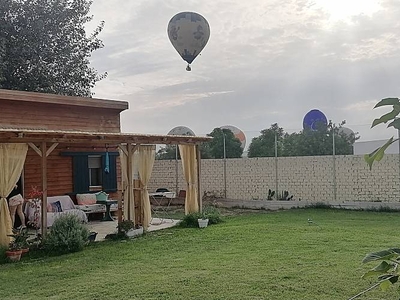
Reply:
x=73, y=148
x=67, y=165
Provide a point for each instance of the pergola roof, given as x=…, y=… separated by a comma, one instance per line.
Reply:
x=21, y=135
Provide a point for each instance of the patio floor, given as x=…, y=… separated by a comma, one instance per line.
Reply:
x=106, y=227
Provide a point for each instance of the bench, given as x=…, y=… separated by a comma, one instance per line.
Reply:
x=87, y=203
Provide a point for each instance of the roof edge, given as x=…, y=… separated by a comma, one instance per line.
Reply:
x=36, y=97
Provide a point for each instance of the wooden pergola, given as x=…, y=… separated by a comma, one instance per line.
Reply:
x=43, y=142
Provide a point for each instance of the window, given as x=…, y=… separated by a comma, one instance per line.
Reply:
x=95, y=170
x=88, y=171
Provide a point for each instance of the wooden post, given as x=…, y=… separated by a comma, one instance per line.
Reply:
x=44, y=189
x=138, y=202
x=198, y=162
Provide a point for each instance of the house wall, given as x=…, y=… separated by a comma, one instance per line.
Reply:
x=59, y=171
x=306, y=178
x=19, y=114
x=45, y=115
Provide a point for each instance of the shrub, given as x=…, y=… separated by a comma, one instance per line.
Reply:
x=66, y=235
x=3, y=258
x=209, y=212
x=319, y=205
x=212, y=214
x=190, y=220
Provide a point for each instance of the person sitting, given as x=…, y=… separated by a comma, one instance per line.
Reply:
x=15, y=206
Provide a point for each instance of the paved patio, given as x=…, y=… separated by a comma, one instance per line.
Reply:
x=106, y=227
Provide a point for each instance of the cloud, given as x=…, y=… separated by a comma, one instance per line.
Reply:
x=266, y=62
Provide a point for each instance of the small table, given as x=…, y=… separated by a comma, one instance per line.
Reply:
x=158, y=198
x=107, y=214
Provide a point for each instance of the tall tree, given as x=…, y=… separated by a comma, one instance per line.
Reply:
x=233, y=147
x=211, y=149
x=44, y=46
x=305, y=143
x=167, y=152
x=318, y=142
x=264, y=145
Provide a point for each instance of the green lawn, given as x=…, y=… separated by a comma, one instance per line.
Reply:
x=266, y=255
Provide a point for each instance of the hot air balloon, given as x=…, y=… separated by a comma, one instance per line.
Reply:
x=189, y=33
x=237, y=133
x=181, y=130
x=313, y=118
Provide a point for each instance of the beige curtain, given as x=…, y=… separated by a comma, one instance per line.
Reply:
x=126, y=157
x=188, y=155
x=12, y=159
x=147, y=154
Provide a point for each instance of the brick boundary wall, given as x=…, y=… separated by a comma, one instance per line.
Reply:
x=308, y=178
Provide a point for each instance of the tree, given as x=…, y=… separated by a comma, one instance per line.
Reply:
x=215, y=147
x=318, y=142
x=211, y=149
x=392, y=116
x=305, y=143
x=387, y=271
x=167, y=152
x=44, y=47
x=264, y=145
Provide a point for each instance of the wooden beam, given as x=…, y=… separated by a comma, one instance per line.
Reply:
x=36, y=149
x=198, y=162
x=44, y=189
x=52, y=147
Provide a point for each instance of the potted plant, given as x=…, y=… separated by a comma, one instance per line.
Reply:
x=18, y=245
x=203, y=220
x=20, y=241
x=129, y=229
x=14, y=252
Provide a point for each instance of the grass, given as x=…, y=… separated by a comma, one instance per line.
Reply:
x=265, y=255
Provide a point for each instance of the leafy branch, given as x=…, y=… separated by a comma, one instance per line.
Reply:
x=378, y=153
x=387, y=270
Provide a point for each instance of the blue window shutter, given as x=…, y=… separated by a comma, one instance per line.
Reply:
x=81, y=173
x=110, y=178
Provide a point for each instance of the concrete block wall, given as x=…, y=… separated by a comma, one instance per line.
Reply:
x=309, y=178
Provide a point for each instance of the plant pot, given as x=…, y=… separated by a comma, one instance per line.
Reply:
x=14, y=255
x=202, y=223
x=131, y=233
x=24, y=250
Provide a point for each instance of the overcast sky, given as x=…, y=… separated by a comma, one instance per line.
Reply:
x=267, y=61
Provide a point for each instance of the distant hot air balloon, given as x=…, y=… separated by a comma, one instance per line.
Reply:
x=313, y=118
x=181, y=130
x=189, y=33
x=237, y=133
x=347, y=132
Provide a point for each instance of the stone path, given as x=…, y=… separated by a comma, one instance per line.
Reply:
x=106, y=227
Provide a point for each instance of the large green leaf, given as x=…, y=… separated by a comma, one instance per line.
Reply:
x=395, y=124
x=382, y=255
x=377, y=155
x=387, y=117
x=387, y=101
x=382, y=268
x=385, y=285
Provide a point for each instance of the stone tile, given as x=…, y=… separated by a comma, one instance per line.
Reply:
x=106, y=227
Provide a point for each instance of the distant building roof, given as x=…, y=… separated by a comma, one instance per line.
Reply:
x=369, y=146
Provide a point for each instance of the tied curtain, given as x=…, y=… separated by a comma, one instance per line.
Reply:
x=127, y=169
x=12, y=159
x=146, y=157
x=188, y=155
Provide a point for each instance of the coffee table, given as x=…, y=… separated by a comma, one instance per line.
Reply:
x=107, y=214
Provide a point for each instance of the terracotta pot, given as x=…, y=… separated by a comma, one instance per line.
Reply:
x=14, y=255
x=24, y=250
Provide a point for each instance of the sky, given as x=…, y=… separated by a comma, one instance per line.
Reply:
x=267, y=61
